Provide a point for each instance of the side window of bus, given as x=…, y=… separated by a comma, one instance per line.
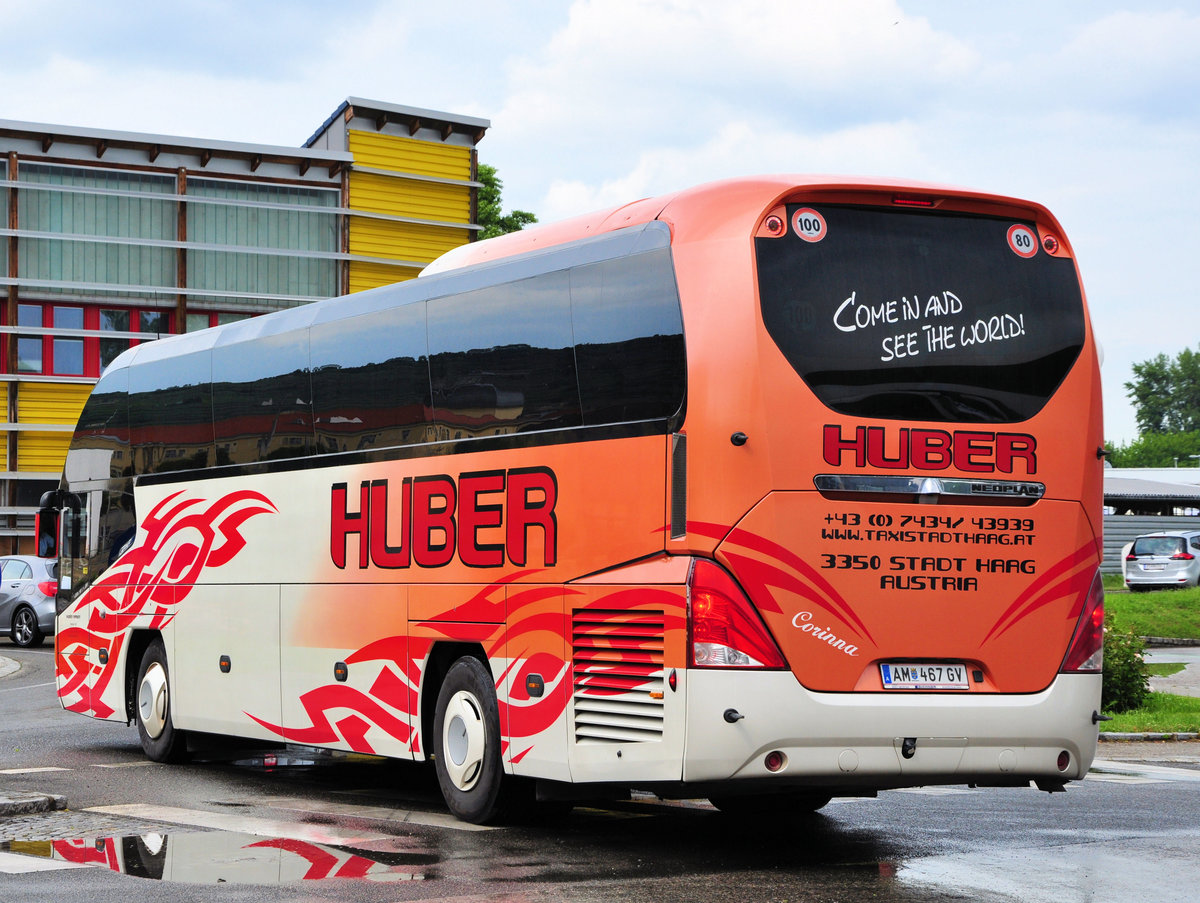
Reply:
x=370, y=378
x=262, y=401
x=98, y=533
x=100, y=448
x=502, y=361
x=628, y=338
x=170, y=413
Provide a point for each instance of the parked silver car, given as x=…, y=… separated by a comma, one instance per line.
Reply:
x=27, y=588
x=1163, y=560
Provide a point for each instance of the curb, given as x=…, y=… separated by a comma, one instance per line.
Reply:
x=1169, y=641
x=1119, y=737
x=7, y=666
x=22, y=802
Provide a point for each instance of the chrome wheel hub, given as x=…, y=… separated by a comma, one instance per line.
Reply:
x=152, y=701
x=463, y=740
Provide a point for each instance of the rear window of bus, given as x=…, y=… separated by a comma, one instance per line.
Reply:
x=901, y=315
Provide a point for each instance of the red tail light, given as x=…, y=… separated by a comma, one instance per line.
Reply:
x=726, y=631
x=913, y=200
x=1086, y=652
x=1131, y=557
x=1183, y=556
x=48, y=587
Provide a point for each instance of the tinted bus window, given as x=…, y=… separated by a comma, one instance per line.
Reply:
x=170, y=413
x=501, y=359
x=924, y=316
x=371, y=381
x=100, y=448
x=262, y=399
x=628, y=338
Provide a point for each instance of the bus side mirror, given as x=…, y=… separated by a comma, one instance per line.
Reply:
x=45, y=530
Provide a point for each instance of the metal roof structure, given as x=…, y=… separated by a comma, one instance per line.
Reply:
x=410, y=119
x=1132, y=490
x=107, y=145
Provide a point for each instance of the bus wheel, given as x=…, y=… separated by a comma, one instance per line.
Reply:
x=779, y=805
x=466, y=742
x=25, y=630
x=160, y=740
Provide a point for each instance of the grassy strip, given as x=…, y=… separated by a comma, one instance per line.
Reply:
x=1167, y=613
x=1112, y=581
x=1164, y=669
x=1163, y=713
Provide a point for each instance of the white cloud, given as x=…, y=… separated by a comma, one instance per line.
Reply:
x=1147, y=58
x=743, y=148
x=624, y=77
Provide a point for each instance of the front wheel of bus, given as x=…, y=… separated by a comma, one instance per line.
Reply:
x=160, y=741
x=466, y=742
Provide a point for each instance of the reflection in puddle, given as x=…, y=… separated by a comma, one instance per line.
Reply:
x=216, y=857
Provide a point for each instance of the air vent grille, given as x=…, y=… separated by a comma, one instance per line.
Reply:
x=617, y=666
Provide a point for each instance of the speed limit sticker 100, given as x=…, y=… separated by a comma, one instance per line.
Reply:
x=808, y=224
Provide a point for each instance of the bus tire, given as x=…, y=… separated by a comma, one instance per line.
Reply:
x=797, y=803
x=160, y=740
x=25, y=630
x=466, y=743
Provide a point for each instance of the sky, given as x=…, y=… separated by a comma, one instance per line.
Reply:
x=1087, y=106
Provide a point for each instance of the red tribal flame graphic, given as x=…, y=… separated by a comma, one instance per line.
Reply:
x=179, y=539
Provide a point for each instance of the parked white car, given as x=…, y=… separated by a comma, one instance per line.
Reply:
x=1163, y=560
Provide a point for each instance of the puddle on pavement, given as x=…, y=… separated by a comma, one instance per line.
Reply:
x=217, y=857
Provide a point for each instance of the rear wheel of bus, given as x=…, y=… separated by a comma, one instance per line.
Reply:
x=160, y=740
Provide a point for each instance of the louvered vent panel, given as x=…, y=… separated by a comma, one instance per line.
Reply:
x=617, y=662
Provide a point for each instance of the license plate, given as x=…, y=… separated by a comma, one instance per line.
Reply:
x=1153, y=567
x=924, y=676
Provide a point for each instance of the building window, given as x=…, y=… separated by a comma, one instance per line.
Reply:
x=155, y=322
x=67, y=351
x=254, y=244
x=112, y=321
x=109, y=331
x=76, y=211
x=29, y=348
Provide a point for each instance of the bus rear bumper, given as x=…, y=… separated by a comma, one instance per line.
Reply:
x=884, y=740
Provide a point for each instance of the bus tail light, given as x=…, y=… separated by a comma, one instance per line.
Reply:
x=1086, y=652
x=725, y=631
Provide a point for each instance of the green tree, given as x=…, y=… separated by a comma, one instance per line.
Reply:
x=1156, y=450
x=1166, y=393
x=491, y=216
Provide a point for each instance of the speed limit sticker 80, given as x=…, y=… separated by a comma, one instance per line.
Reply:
x=1022, y=240
x=808, y=224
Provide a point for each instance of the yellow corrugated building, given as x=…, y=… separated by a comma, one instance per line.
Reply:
x=411, y=190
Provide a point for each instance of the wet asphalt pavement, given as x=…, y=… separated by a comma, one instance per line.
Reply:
x=235, y=824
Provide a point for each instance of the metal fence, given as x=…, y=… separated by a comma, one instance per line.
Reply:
x=1121, y=529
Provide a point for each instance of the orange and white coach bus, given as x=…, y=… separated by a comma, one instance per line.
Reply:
x=766, y=491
